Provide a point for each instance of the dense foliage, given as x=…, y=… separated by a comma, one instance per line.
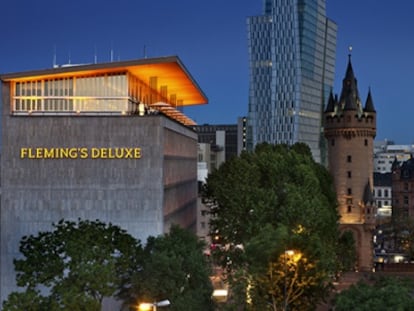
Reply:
x=174, y=268
x=74, y=266
x=385, y=294
x=274, y=217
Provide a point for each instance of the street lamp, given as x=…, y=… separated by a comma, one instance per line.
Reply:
x=147, y=306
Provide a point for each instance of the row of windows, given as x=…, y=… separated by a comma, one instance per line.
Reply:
x=118, y=92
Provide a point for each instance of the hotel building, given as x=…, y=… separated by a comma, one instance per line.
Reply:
x=100, y=141
x=292, y=60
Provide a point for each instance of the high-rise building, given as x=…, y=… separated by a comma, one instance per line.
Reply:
x=292, y=50
x=99, y=141
x=350, y=129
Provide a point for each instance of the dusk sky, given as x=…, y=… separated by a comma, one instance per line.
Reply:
x=210, y=37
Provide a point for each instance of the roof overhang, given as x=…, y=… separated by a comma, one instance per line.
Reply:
x=169, y=71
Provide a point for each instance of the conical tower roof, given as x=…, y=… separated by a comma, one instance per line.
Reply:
x=330, y=107
x=349, y=99
x=369, y=104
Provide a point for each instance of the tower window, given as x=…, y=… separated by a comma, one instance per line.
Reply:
x=349, y=159
x=366, y=142
x=349, y=191
x=349, y=174
x=349, y=208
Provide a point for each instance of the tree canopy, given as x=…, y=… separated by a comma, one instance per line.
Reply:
x=265, y=205
x=76, y=265
x=387, y=293
x=175, y=269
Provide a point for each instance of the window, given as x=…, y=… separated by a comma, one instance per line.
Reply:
x=379, y=204
x=379, y=193
x=406, y=200
x=333, y=142
x=349, y=209
x=349, y=174
x=349, y=159
x=349, y=191
x=386, y=193
x=406, y=186
x=366, y=142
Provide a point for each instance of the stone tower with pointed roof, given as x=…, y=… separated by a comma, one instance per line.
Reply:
x=350, y=129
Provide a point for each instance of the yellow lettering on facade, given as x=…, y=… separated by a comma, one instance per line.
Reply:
x=23, y=153
x=80, y=153
x=83, y=153
x=95, y=153
x=48, y=153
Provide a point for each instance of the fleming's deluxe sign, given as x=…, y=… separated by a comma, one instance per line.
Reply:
x=80, y=153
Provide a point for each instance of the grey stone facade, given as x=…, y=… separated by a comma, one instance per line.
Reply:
x=142, y=195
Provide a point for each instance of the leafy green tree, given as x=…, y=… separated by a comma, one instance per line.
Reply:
x=176, y=269
x=263, y=204
x=385, y=294
x=76, y=265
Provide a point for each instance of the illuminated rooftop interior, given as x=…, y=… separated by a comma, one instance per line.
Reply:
x=164, y=79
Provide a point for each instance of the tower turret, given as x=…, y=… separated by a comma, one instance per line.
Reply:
x=350, y=130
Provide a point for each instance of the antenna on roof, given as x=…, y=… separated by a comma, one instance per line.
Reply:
x=350, y=51
x=69, y=56
x=145, y=51
x=112, y=52
x=95, y=56
x=54, y=57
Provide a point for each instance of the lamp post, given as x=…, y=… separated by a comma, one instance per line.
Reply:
x=147, y=306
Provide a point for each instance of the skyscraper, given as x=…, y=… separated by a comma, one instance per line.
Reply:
x=292, y=59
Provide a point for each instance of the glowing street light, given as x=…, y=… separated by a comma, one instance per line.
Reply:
x=147, y=306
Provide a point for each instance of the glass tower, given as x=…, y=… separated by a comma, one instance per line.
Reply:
x=292, y=50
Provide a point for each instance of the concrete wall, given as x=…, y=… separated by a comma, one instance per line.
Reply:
x=139, y=195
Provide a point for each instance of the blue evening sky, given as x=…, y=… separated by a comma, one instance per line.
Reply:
x=210, y=38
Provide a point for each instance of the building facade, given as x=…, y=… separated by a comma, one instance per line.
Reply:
x=101, y=141
x=350, y=129
x=230, y=139
x=292, y=50
x=383, y=196
x=403, y=190
x=386, y=152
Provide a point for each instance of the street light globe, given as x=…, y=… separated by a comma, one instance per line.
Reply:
x=145, y=306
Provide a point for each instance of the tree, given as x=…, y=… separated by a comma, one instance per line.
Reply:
x=390, y=293
x=270, y=201
x=174, y=269
x=75, y=266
